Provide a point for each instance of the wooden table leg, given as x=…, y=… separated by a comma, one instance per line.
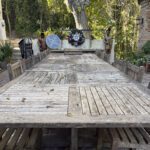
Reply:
x=149, y=85
x=114, y=145
x=100, y=134
x=74, y=139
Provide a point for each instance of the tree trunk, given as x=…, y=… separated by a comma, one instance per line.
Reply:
x=81, y=21
x=8, y=19
x=1, y=16
x=41, y=21
x=76, y=18
x=84, y=24
x=80, y=18
x=2, y=24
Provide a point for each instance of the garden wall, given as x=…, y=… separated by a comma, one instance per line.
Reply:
x=88, y=45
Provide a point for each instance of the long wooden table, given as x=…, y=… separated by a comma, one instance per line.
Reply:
x=74, y=91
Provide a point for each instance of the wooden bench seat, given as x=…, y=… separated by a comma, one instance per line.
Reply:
x=135, y=138
x=19, y=139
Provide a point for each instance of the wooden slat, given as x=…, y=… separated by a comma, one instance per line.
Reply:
x=91, y=101
x=114, y=134
x=105, y=102
x=126, y=102
x=23, y=139
x=112, y=102
x=123, y=136
x=98, y=102
x=6, y=138
x=74, y=107
x=130, y=136
x=13, y=140
x=139, y=93
x=145, y=134
x=118, y=100
x=138, y=136
x=2, y=130
x=138, y=105
x=84, y=101
x=34, y=138
x=141, y=100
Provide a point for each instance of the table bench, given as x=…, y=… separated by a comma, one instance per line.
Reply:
x=21, y=138
x=135, y=138
x=147, y=67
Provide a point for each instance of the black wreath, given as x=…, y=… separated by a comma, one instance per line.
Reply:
x=76, y=38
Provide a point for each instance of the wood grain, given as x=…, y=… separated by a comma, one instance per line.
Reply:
x=73, y=91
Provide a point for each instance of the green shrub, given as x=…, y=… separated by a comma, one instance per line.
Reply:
x=6, y=51
x=138, y=59
x=146, y=47
x=1, y=55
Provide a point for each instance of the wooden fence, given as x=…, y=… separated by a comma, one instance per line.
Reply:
x=135, y=72
x=19, y=67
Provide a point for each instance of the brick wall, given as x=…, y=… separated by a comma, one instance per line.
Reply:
x=145, y=27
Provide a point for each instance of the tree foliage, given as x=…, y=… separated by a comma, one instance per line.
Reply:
x=77, y=8
x=121, y=17
x=28, y=17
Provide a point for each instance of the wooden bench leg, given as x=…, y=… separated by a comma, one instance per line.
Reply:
x=114, y=145
x=100, y=135
x=149, y=85
x=74, y=139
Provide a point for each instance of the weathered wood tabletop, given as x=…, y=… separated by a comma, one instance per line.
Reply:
x=74, y=91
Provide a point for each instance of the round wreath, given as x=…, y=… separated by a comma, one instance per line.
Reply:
x=76, y=38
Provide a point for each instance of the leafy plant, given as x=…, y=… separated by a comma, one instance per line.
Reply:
x=138, y=59
x=6, y=51
x=146, y=47
x=1, y=55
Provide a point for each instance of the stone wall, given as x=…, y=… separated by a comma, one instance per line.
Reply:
x=145, y=27
x=87, y=45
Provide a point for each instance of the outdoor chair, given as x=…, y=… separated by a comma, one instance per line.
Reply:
x=21, y=139
x=14, y=70
x=147, y=67
x=131, y=138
